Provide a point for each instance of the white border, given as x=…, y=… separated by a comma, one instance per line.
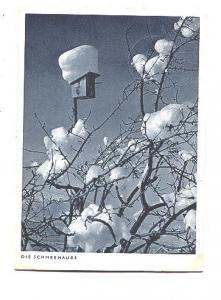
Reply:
x=98, y=261
x=141, y=262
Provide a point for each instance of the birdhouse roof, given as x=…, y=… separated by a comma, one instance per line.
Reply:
x=89, y=74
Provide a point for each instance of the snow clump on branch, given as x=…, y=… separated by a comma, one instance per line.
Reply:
x=106, y=141
x=188, y=26
x=186, y=196
x=186, y=155
x=133, y=145
x=59, y=146
x=158, y=125
x=119, y=173
x=153, y=68
x=164, y=47
x=190, y=219
x=93, y=224
x=79, y=129
x=93, y=173
x=138, y=62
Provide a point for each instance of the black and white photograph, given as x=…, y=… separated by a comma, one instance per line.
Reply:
x=110, y=149
x=110, y=128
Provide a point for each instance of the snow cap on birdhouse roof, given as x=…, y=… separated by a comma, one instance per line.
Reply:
x=78, y=62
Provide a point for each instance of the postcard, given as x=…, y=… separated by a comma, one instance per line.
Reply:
x=110, y=143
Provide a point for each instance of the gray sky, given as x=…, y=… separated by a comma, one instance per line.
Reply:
x=49, y=96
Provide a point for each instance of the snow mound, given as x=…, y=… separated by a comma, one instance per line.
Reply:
x=189, y=26
x=118, y=173
x=79, y=129
x=158, y=124
x=164, y=47
x=93, y=173
x=186, y=196
x=52, y=167
x=106, y=141
x=78, y=61
x=59, y=146
x=95, y=230
x=132, y=145
x=138, y=62
x=186, y=155
x=59, y=135
x=190, y=219
x=153, y=68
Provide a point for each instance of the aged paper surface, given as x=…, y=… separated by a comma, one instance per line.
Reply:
x=109, y=176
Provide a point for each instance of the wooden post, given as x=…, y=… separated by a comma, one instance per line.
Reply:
x=75, y=111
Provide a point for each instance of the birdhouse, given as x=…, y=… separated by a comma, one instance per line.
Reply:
x=84, y=87
x=80, y=69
